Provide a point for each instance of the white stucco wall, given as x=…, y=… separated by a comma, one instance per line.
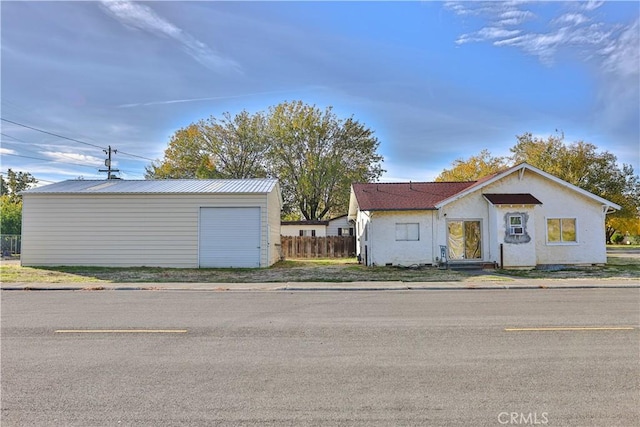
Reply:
x=561, y=202
x=385, y=249
x=557, y=202
x=130, y=229
x=517, y=251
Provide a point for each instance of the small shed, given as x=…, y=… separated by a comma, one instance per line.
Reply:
x=160, y=223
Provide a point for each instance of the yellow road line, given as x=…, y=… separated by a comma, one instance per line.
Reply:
x=576, y=328
x=121, y=331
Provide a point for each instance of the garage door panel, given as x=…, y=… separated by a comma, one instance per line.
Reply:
x=229, y=237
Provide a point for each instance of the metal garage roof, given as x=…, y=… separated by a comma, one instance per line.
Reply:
x=160, y=186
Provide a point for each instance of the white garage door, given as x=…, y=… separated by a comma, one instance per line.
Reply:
x=229, y=237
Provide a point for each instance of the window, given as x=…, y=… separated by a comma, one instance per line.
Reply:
x=345, y=231
x=311, y=233
x=407, y=231
x=561, y=230
x=516, y=227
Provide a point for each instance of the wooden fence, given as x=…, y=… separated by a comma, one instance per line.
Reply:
x=318, y=247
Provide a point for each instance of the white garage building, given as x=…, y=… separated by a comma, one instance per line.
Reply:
x=160, y=223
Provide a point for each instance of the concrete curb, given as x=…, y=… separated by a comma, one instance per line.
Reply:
x=319, y=286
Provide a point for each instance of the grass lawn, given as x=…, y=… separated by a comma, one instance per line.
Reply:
x=621, y=265
x=293, y=270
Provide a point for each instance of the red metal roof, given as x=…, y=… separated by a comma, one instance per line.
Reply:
x=406, y=195
x=512, y=199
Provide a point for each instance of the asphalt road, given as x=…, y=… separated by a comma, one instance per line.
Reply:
x=389, y=358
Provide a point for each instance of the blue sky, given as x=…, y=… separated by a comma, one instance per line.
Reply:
x=436, y=81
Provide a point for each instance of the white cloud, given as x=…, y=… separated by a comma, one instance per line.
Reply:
x=209, y=98
x=546, y=45
x=7, y=151
x=592, y=4
x=572, y=19
x=516, y=16
x=74, y=158
x=622, y=54
x=576, y=30
x=612, y=49
x=136, y=15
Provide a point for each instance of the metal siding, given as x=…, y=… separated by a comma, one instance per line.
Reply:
x=230, y=237
x=160, y=186
x=126, y=230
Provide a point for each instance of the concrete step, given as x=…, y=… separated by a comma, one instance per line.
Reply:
x=472, y=265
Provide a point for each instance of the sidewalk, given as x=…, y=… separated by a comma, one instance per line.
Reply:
x=515, y=283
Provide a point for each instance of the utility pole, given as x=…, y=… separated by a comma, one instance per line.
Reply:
x=107, y=163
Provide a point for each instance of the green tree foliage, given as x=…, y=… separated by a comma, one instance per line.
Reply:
x=314, y=154
x=185, y=157
x=10, y=215
x=581, y=164
x=317, y=156
x=231, y=147
x=474, y=167
x=11, y=201
x=578, y=163
x=14, y=183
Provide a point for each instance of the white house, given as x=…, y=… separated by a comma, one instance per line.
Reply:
x=313, y=228
x=164, y=223
x=338, y=226
x=519, y=218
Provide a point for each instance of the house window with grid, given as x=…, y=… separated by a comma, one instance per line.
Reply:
x=516, y=225
x=407, y=231
x=561, y=230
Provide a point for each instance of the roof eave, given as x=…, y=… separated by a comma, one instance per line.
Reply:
x=523, y=166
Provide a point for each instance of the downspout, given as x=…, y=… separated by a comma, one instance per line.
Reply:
x=490, y=236
x=370, y=240
x=434, y=240
x=268, y=234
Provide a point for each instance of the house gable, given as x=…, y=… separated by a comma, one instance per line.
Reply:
x=521, y=170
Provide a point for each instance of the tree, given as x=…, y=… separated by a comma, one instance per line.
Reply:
x=317, y=156
x=231, y=147
x=474, y=167
x=10, y=215
x=185, y=157
x=15, y=183
x=314, y=154
x=11, y=201
x=578, y=163
x=582, y=165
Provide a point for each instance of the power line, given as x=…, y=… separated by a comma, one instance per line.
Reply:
x=65, y=155
x=48, y=160
x=51, y=133
x=134, y=155
x=128, y=172
x=70, y=139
